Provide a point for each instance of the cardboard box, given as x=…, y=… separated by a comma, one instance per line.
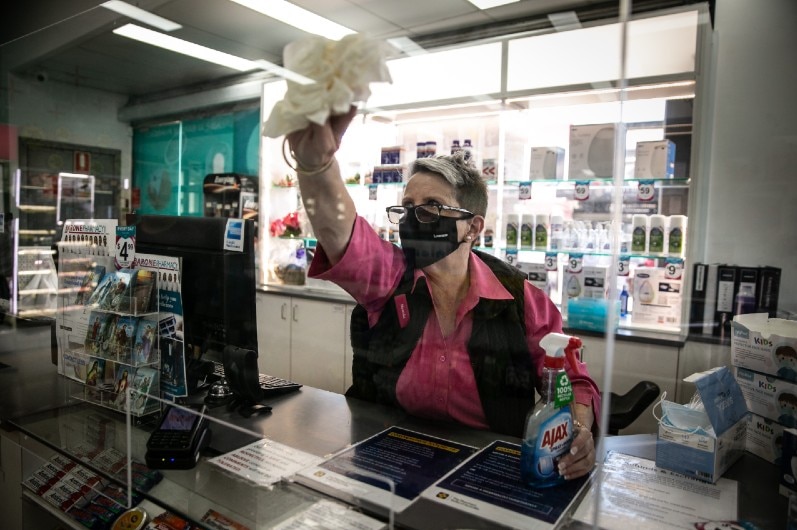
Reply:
x=770, y=397
x=764, y=438
x=704, y=455
x=547, y=163
x=591, y=151
x=387, y=174
x=657, y=299
x=537, y=274
x=655, y=160
x=765, y=345
x=589, y=282
x=392, y=155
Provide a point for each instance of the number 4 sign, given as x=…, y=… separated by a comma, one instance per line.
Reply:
x=125, y=253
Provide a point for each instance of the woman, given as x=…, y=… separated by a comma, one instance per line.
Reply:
x=440, y=330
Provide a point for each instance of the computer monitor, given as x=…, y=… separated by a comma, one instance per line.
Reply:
x=218, y=285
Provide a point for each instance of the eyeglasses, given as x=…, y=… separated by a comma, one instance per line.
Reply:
x=425, y=213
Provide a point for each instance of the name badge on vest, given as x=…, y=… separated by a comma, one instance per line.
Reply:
x=402, y=310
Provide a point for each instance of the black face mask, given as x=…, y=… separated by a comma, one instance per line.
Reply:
x=427, y=243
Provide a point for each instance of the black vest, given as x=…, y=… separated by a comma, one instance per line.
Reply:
x=505, y=375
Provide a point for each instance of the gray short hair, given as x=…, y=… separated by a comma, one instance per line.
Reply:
x=469, y=187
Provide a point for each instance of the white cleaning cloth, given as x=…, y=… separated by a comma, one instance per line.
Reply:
x=342, y=71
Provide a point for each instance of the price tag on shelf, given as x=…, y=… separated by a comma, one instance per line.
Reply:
x=525, y=190
x=372, y=189
x=624, y=266
x=673, y=268
x=125, y=250
x=551, y=261
x=646, y=190
x=512, y=256
x=575, y=263
x=581, y=190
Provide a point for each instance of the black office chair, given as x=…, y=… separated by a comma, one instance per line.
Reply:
x=626, y=408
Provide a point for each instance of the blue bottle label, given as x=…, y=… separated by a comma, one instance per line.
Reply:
x=553, y=439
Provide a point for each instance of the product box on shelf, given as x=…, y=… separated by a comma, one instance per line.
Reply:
x=547, y=163
x=387, y=174
x=655, y=160
x=589, y=282
x=768, y=396
x=536, y=272
x=657, y=299
x=764, y=438
x=591, y=151
x=392, y=155
x=765, y=345
x=690, y=447
x=788, y=464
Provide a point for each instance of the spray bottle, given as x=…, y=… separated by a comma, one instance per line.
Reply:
x=549, y=427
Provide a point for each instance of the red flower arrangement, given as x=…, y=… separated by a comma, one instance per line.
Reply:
x=288, y=226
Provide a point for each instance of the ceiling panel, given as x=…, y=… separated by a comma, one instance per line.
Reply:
x=82, y=49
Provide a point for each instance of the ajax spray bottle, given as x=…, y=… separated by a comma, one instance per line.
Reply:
x=549, y=427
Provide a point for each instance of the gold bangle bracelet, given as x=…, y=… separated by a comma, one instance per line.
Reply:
x=301, y=168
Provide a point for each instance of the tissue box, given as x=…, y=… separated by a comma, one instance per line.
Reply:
x=706, y=456
x=590, y=313
x=547, y=163
x=765, y=345
x=655, y=160
x=770, y=397
x=657, y=299
x=591, y=151
x=764, y=438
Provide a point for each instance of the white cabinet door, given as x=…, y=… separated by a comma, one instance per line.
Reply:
x=274, y=334
x=317, y=344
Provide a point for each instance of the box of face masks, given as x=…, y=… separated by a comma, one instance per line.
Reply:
x=655, y=160
x=765, y=345
x=770, y=397
x=765, y=438
x=704, y=442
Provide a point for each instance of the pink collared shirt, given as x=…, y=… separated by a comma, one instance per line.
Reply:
x=437, y=381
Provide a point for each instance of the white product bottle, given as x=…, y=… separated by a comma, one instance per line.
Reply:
x=639, y=233
x=527, y=223
x=557, y=232
x=656, y=233
x=676, y=235
x=541, y=232
x=512, y=231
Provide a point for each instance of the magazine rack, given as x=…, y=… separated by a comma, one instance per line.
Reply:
x=108, y=332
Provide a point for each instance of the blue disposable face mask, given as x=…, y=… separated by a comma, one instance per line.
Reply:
x=685, y=417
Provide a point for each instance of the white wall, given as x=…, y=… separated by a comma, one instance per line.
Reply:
x=752, y=206
x=60, y=112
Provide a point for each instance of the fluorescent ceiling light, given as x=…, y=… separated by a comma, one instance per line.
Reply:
x=487, y=4
x=167, y=42
x=407, y=46
x=136, y=13
x=297, y=17
x=290, y=75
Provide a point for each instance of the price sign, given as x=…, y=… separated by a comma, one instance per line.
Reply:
x=645, y=190
x=372, y=188
x=511, y=256
x=581, y=190
x=125, y=250
x=551, y=261
x=574, y=263
x=624, y=266
x=525, y=190
x=673, y=268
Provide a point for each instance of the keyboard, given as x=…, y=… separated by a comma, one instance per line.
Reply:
x=270, y=384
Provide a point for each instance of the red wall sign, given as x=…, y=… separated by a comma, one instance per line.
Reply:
x=82, y=162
